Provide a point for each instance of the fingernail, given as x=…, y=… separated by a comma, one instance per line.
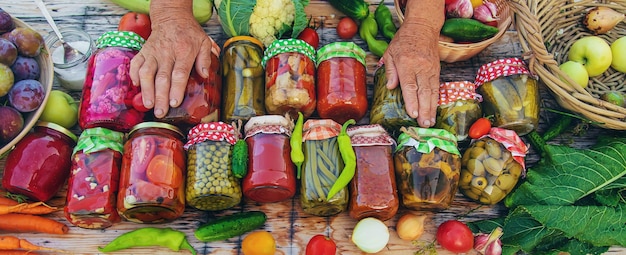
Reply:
x=158, y=112
x=415, y=114
x=427, y=123
x=149, y=103
x=205, y=72
x=173, y=102
x=433, y=121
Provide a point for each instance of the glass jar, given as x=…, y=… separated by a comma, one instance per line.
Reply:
x=510, y=93
x=94, y=179
x=289, y=78
x=244, y=79
x=152, y=177
x=71, y=75
x=40, y=163
x=341, y=87
x=388, y=106
x=108, y=91
x=321, y=167
x=373, y=187
x=211, y=184
x=492, y=165
x=428, y=165
x=459, y=108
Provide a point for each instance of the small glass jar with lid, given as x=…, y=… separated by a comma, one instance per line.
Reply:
x=152, y=177
x=71, y=75
x=459, y=108
x=388, y=106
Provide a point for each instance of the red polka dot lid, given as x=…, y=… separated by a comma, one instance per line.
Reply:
x=501, y=67
x=450, y=92
x=211, y=131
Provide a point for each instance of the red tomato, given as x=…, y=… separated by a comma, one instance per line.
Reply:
x=321, y=245
x=162, y=170
x=138, y=103
x=136, y=22
x=455, y=236
x=142, y=150
x=347, y=28
x=479, y=128
x=310, y=36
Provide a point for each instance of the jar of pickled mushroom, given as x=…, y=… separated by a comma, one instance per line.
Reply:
x=388, y=106
x=40, y=163
x=510, y=93
x=244, y=79
x=373, y=190
x=492, y=165
x=94, y=179
x=152, y=178
x=108, y=91
x=459, y=108
x=428, y=166
x=341, y=86
x=321, y=167
x=211, y=184
x=290, y=78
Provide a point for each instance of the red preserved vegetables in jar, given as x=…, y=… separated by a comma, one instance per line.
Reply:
x=40, y=163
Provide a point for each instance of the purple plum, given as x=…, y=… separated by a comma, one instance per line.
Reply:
x=26, y=95
x=28, y=41
x=25, y=68
x=6, y=23
x=8, y=52
x=11, y=123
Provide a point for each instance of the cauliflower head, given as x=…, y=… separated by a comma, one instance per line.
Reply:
x=271, y=18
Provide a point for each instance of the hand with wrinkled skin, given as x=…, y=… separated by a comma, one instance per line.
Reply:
x=177, y=44
x=412, y=59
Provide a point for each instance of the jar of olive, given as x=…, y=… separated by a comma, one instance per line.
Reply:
x=211, y=184
x=459, y=107
x=510, y=93
x=388, y=106
x=428, y=165
x=492, y=165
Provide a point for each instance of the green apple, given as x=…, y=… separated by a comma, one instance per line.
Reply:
x=618, y=48
x=61, y=109
x=576, y=71
x=593, y=52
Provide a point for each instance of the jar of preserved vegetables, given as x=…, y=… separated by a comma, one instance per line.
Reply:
x=108, y=91
x=373, y=187
x=94, y=179
x=492, y=165
x=244, y=79
x=152, y=179
x=388, y=106
x=211, y=184
x=40, y=163
x=290, y=78
x=321, y=167
x=510, y=93
x=428, y=165
x=269, y=180
x=459, y=108
x=341, y=87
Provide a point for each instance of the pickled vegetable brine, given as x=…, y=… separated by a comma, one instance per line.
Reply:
x=459, y=107
x=388, y=106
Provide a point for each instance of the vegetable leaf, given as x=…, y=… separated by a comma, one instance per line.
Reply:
x=300, y=21
x=235, y=16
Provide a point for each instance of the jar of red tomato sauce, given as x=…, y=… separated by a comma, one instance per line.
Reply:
x=269, y=180
x=108, y=91
x=94, y=179
x=40, y=163
x=152, y=177
x=290, y=78
x=341, y=87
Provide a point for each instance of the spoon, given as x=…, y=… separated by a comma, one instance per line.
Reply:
x=70, y=53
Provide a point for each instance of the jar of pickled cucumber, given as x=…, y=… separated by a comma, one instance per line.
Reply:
x=388, y=106
x=492, y=165
x=510, y=94
x=321, y=167
x=428, y=165
x=211, y=184
x=244, y=79
x=459, y=108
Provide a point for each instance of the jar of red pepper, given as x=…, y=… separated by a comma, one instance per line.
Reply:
x=290, y=78
x=94, y=179
x=269, y=180
x=459, y=108
x=152, y=177
x=341, y=87
x=108, y=91
x=40, y=163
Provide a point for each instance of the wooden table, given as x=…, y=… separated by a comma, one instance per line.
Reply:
x=291, y=227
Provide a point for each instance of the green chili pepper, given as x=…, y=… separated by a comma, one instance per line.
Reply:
x=384, y=19
x=297, y=156
x=349, y=161
x=149, y=236
x=368, y=31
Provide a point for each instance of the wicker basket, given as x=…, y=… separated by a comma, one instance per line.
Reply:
x=547, y=28
x=454, y=52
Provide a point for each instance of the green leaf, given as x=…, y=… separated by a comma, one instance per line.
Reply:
x=300, y=21
x=235, y=16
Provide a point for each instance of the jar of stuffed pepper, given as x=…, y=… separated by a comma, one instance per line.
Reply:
x=428, y=165
x=373, y=187
x=94, y=179
x=211, y=184
x=152, y=179
x=108, y=91
x=388, y=106
x=290, y=78
x=492, y=165
x=40, y=163
x=244, y=79
x=341, y=87
x=459, y=108
x=510, y=93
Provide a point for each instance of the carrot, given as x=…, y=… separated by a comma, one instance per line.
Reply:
x=31, y=223
x=7, y=201
x=26, y=208
x=13, y=243
x=17, y=252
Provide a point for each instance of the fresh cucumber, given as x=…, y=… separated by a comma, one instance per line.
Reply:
x=467, y=30
x=356, y=9
x=202, y=9
x=230, y=226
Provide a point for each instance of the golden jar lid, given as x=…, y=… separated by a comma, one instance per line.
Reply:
x=154, y=124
